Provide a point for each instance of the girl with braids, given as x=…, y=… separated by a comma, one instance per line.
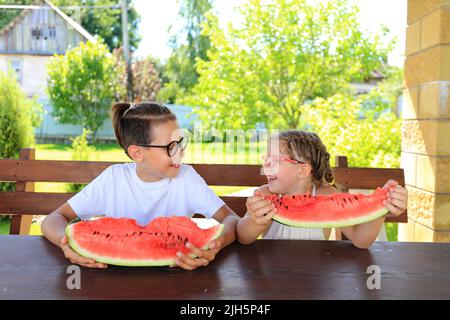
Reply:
x=154, y=184
x=298, y=162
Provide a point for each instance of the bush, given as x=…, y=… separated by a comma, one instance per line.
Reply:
x=80, y=152
x=18, y=116
x=367, y=139
x=82, y=85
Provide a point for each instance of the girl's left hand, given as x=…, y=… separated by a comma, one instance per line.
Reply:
x=203, y=257
x=397, y=200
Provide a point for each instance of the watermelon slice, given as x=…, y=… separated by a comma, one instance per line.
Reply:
x=328, y=211
x=125, y=243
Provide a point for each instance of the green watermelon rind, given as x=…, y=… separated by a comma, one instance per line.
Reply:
x=332, y=224
x=127, y=262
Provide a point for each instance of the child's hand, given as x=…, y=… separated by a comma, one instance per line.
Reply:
x=75, y=258
x=203, y=257
x=260, y=210
x=263, y=191
x=397, y=198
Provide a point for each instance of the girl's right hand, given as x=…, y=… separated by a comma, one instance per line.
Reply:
x=263, y=191
x=75, y=258
x=260, y=210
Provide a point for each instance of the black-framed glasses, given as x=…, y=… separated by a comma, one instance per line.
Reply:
x=171, y=148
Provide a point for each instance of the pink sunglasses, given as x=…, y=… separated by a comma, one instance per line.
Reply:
x=270, y=160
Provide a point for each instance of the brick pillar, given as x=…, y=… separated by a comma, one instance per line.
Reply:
x=426, y=121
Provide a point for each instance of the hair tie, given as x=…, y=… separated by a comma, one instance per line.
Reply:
x=132, y=105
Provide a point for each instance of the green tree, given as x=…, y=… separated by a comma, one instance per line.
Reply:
x=286, y=54
x=82, y=85
x=6, y=16
x=18, y=116
x=146, y=82
x=188, y=44
x=102, y=21
x=385, y=96
x=105, y=22
x=367, y=138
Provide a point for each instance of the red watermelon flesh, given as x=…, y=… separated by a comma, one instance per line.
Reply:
x=328, y=211
x=125, y=243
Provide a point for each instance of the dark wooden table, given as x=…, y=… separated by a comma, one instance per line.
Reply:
x=32, y=268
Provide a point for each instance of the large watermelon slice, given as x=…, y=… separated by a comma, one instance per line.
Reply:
x=125, y=243
x=328, y=211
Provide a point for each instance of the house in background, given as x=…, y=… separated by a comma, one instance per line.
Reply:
x=28, y=43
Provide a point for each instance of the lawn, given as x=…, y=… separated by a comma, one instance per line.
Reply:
x=210, y=153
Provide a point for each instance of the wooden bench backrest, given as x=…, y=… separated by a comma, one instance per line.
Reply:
x=26, y=171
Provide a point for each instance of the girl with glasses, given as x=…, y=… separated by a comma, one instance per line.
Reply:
x=298, y=162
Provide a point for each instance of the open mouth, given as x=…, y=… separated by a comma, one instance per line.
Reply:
x=174, y=165
x=271, y=178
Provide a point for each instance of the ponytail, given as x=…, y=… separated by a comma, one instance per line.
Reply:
x=118, y=111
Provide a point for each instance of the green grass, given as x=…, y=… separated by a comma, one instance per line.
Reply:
x=35, y=229
x=195, y=153
x=391, y=231
x=4, y=226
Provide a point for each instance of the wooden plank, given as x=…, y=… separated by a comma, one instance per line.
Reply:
x=31, y=203
x=43, y=203
x=21, y=224
x=61, y=171
x=231, y=174
x=39, y=203
x=86, y=171
x=341, y=162
x=367, y=178
x=214, y=174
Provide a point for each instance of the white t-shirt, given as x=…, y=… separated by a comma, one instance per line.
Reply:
x=119, y=192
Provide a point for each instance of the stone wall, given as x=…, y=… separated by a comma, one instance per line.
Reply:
x=426, y=121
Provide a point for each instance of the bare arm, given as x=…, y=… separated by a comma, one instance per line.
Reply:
x=256, y=221
x=55, y=223
x=203, y=257
x=227, y=216
x=258, y=218
x=53, y=228
x=248, y=230
x=363, y=235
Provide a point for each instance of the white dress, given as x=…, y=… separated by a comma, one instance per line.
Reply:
x=284, y=232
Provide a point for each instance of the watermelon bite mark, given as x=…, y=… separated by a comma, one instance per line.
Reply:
x=125, y=243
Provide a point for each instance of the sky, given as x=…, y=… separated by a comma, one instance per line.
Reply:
x=157, y=16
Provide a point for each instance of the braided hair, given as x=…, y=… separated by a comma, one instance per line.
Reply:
x=307, y=145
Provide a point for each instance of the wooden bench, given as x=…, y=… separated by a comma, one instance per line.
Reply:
x=23, y=203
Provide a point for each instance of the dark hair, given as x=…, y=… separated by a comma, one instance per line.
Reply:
x=307, y=145
x=133, y=123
